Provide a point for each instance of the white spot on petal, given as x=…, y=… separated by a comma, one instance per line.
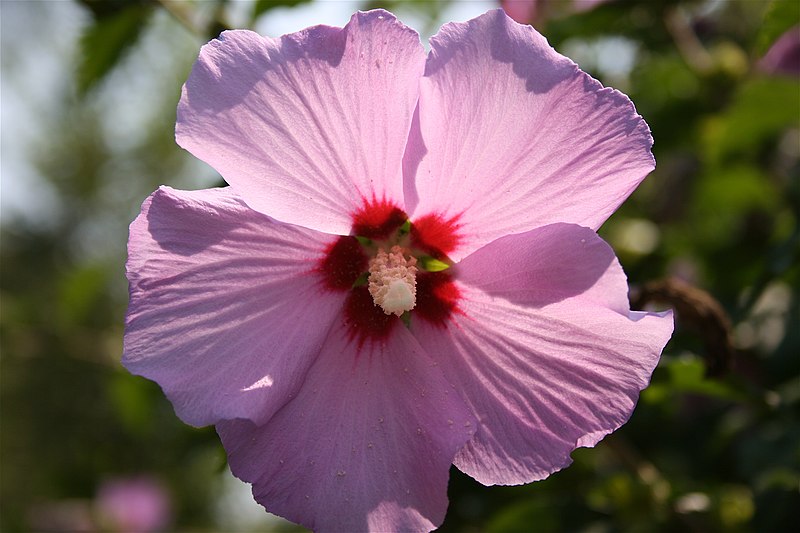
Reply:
x=264, y=382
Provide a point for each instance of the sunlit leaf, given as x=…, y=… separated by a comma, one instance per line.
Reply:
x=760, y=111
x=724, y=197
x=687, y=376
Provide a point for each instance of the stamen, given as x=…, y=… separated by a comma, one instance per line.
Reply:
x=392, y=281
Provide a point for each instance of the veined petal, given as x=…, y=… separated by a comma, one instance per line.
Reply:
x=308, y=126
x=365, y=445
x=545, y=368
x=511, y=135
x=225, y=313
x=547, y=265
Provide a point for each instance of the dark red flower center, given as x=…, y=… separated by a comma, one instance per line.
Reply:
x=350, y=264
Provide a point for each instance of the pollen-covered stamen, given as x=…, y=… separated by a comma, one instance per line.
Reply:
x=393, y=281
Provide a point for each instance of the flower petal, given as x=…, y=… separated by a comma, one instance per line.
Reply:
x=225, y=313
x=548, y=368
x=511, y=135
x=783, y=57
x=367, y=443
x=306, y=126
x=547, y=265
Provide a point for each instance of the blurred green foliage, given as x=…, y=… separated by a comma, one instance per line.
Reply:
x=117, y=27
x=721, y=212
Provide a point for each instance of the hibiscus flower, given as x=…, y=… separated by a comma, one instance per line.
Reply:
x=404, y=273
x=536, y=12
x=783, y=57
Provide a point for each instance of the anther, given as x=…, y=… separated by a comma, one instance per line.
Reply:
x=392, y=281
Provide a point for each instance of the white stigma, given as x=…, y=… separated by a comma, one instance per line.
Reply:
x=393, y=281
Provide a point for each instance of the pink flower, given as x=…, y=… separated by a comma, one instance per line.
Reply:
x=783, y=57
x=257, y=309
x=134, y=504
x=536, y=12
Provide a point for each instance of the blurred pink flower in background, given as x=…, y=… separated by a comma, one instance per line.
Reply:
x=535, y=12
x=136, y=504
x=404, y=272
x=783, y=57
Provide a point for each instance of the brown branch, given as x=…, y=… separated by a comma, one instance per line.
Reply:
x=699, y=312
x=686, y=41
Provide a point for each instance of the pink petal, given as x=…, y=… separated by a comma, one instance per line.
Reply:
x=306, y=127
x=586, y=5
x=545, y=368
x=535, y=12
x=523, y=11
x=366, y=444
x=783, y=57
x=564, y=260
x=225, y=313
x=511, y=136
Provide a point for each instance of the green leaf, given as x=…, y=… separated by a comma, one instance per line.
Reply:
x=780, y=16
x=80, y=292
x=724, y=197
x=687, y=376
x=131, y=401
x=518, y=517
x=761, y=110
x=104, y=43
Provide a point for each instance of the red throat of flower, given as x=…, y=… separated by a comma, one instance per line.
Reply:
x=394, y=270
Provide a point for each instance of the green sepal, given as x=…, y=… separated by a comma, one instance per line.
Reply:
x=431, y=264
x=365, y=241
x=361, y=280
